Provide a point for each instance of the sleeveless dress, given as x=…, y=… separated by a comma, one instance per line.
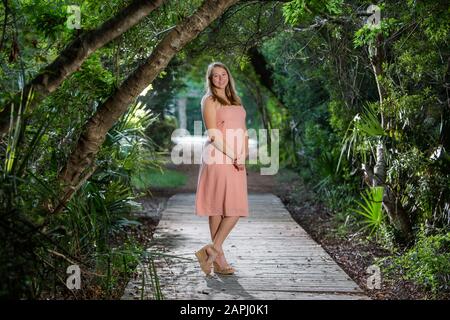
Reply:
x=221, y=187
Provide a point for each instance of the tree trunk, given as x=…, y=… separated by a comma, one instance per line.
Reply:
x=264, y=115
x=115, y=106
x=254, y=88
x=182, y=119
x=71, y=58
x=397, y=214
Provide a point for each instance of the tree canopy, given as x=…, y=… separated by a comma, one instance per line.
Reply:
x=363, y=112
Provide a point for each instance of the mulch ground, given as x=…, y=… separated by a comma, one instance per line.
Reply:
x=353, y=252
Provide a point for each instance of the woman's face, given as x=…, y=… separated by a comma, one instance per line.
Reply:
x=219, y=77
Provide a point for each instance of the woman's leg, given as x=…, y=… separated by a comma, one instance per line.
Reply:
x=226, y=225
x=214, y=222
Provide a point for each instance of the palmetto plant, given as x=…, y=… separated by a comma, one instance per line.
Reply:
x=363, y=132
x=371, y=209
x=326, y=166
x=82, y=232
x=128, y=145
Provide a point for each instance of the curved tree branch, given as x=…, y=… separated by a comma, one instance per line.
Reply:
x=116, y=105
x=73, y=56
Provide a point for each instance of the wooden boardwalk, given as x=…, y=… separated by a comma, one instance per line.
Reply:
x=274, y=258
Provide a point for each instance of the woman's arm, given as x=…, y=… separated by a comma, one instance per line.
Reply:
x=209, y=115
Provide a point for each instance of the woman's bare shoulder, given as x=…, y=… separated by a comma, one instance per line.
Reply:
x=208, y=100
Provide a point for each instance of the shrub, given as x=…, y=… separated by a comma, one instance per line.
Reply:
x=427, y=263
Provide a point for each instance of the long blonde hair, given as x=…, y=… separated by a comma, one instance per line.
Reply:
x=230, y=90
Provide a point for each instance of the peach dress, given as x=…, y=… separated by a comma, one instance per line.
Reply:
x=221, y=187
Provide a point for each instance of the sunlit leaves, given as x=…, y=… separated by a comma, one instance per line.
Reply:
x=368, y=34
x=362, y=133
x=300, y=10
x=368, y=122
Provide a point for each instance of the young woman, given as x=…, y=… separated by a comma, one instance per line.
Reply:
x=222, y=181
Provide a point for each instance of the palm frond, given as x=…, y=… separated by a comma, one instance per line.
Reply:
x=371, y=208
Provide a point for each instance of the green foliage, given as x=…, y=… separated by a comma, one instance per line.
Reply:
x=50, y=16
x=371, y=209
x=419, y=180
x=339, y=116
x=427, y=263
x=368, y=123
x=161, y=132
x=337, y=199
x=101, y=208
x=367, y=35
x=127, y=149
x=116, y=264
x=37, y=245
x=321, y=93
x=411, y=123
x=93, y=79
x=436, y=26
x=158, y=179
x=362, y=134
x=297, y=10
x=94, y=13
x=95, y=212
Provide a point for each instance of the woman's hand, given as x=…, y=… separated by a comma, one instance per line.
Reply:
x=239, y=163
